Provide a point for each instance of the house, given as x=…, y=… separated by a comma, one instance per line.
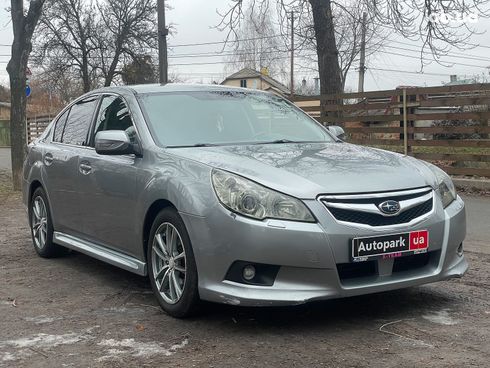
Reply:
x=249, y=78
x=455, y=81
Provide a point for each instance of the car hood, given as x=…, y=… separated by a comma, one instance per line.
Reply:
x=308, y=169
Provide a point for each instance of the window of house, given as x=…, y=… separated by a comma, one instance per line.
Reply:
x=243, y=83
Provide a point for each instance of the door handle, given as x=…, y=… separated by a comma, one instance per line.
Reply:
x=48, y=159
x=85, y=168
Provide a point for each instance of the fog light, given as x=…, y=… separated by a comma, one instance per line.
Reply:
x=460, y=250
x=248, y=272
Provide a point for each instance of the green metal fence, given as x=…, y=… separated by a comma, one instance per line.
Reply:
x=4, y=133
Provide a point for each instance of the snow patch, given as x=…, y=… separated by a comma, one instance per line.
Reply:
x=26, y=346
x=42, y=340
x=441, y=317
x=120, y=348
x=8, y=357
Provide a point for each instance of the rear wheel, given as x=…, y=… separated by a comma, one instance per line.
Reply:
x=171, y=265
x=42, y=226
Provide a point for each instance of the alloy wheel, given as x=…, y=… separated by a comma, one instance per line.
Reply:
x=39, y=222
x=169, y=262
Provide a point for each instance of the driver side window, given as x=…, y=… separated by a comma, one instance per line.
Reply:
x=114, y=115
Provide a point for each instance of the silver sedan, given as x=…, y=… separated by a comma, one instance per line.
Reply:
x=236, y=196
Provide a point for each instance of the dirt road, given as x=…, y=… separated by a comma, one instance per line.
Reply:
x=78, y=312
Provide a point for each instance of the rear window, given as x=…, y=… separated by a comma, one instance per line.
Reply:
x=77, y=125
x=60, y=126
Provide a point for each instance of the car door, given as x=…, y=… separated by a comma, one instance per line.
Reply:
x=60, y=161
x=108, y=185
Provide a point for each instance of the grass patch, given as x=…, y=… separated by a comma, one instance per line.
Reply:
x=5, y=182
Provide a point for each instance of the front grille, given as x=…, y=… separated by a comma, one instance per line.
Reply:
x=373, y=219
x=363, y=208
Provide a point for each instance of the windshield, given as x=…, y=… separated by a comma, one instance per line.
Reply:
x=227, y=117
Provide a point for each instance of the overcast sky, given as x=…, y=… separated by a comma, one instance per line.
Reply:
x=194, y=20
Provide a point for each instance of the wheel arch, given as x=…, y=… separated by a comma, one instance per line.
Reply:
x=150, y=215
x=32, y=187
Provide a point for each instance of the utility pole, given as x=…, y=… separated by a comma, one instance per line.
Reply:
x=292, y=54
x=362, y=66
x=162, y=43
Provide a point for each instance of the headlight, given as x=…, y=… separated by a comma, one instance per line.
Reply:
x=253, y=200
x=447, y=191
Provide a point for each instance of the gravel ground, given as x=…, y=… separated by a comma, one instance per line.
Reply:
x=78, y=312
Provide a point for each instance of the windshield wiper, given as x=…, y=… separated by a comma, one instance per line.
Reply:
x=280, y=141
x=195, y=145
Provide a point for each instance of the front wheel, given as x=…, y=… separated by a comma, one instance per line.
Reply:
x=171, y=265
x=41, y=226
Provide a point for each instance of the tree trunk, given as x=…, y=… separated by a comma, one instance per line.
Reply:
x=17, y=75
x=328, y=62
x=112, y=70
x=23, y=28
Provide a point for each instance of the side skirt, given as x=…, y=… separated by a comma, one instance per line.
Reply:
x=110, y=256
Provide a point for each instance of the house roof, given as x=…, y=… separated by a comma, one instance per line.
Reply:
x=251, y=73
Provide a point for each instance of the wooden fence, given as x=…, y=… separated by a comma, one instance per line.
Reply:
x=4, y=133
x=447, y=125
x=36, y=126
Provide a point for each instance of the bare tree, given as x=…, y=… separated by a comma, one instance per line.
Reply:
x=23, y=25
x=66, y=36
x=413, y=19
x=348, y=32
x=141, y=70
x=255, y=51
x=93, y=41
x=59, y=81
x=127, y=29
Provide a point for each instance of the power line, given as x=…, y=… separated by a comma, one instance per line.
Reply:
x=460, y=42
x=409, y=72
x=422, y=58
x=478, y=58
x=223, y=42
x=450, y=54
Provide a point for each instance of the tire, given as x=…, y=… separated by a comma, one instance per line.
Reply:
x=41, y=225
x=171, y=265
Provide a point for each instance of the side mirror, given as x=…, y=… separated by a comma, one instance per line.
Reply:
x=337, y=131
x=113, y=142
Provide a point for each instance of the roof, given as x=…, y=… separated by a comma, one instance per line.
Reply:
x=169, y=87
x=251, y=73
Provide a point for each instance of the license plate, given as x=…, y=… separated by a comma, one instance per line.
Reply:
x=390, y=246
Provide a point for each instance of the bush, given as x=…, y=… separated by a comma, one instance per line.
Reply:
x=456, y=123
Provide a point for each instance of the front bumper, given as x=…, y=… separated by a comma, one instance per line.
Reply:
x=309, y=255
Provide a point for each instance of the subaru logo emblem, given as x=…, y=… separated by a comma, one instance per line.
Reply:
x=389, y=207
